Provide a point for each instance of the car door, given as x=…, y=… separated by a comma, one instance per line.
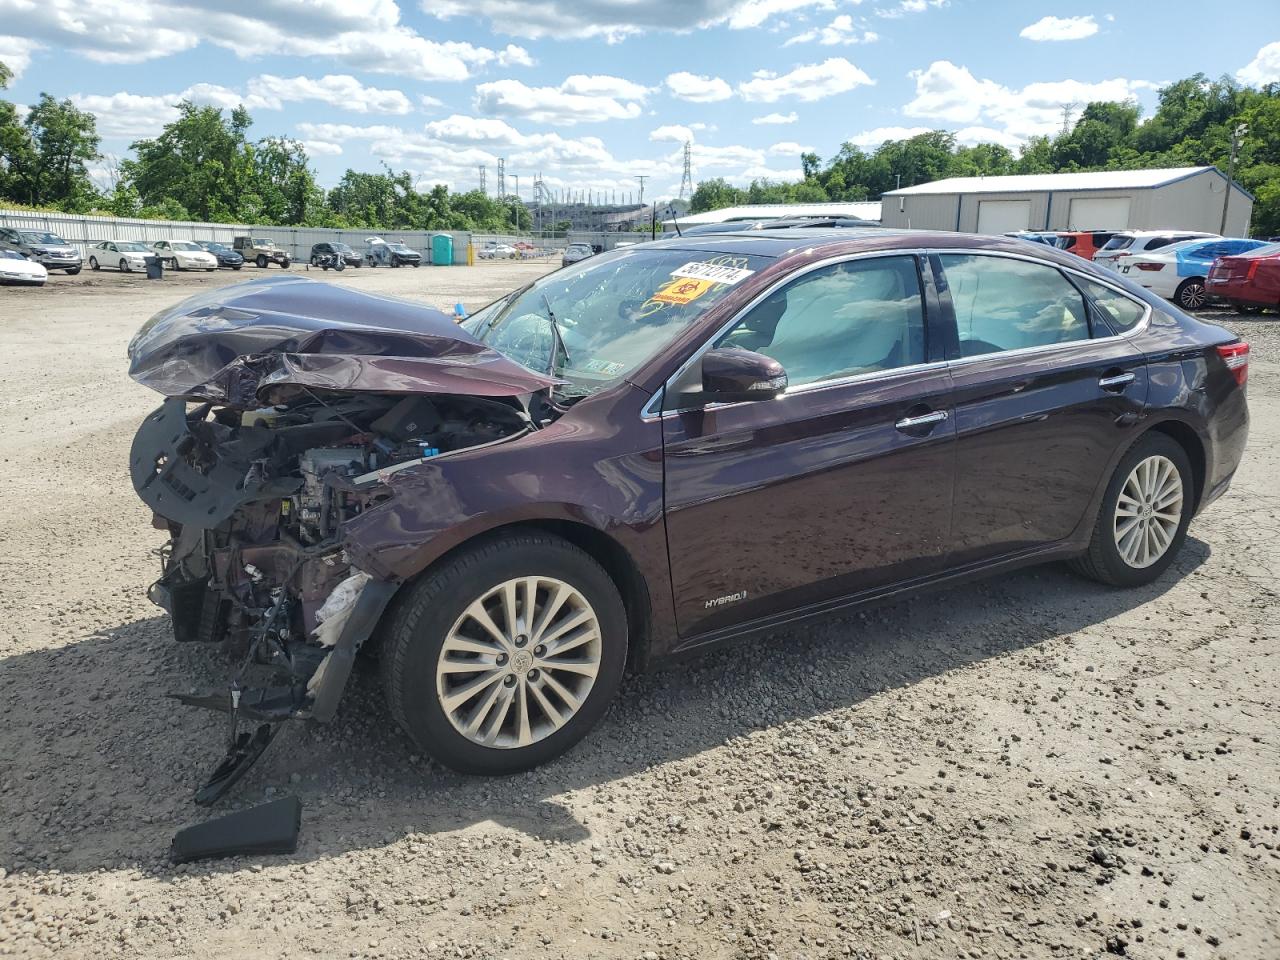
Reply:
x=108, y=255
x=840, y=485
x=1044, y=392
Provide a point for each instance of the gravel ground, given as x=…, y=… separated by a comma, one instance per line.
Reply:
x=1036, y=766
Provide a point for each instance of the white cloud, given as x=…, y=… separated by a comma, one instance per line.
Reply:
x=811, y=82
x=839, y=32
x=341, y=91
x=461, y=129
x=514, y=56
x=908, y=7
x=672, y=133
x=789, y=148
x=320, y=148
x=579, y=99
x=128, y=115
x=428, y=102
x=615, y=20
x=15, y=53
x=972, y=136
x=1262, y=69
x=368, y=36
x=873, y=138
x=776, y=118
x=1060, y=28
x=690, y=86
x=945, y=91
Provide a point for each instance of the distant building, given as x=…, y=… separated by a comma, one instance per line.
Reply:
x=1182, y=198
x=868, y=210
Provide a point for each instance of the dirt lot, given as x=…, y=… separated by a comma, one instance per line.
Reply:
x=1033, y=767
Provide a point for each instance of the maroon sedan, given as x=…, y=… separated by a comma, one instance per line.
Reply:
x=1248, y=281
x=648, y=453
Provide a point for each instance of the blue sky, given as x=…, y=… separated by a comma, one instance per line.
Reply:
x=591, y=93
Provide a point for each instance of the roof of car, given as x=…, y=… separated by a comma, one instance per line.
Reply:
x=779, y=243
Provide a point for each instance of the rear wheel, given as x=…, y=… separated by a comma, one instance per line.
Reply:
x=1144, y=515
x=1190, y=293
x=72, y=271
x=507, y=655
x=261, y=261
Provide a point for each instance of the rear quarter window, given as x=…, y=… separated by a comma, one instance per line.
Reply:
x=1119, y=312
x=1118, y=243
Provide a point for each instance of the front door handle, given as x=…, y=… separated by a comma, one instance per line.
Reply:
x=924, y=420
x=1117, y=382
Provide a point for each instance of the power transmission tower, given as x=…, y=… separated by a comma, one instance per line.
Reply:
x=502, y=177
x=642, y=180
x=484, y=187
x=1067, y=108
x=686, y=182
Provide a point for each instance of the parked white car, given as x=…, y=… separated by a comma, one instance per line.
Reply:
x=17, y=270
x=122, y=255
x=498, y=251
x=184, y=255
x=1129, y=243
x=1177, y=272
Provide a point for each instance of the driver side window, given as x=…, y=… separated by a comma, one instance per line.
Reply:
x=841, y=320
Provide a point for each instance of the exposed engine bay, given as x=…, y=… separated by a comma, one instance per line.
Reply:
x=291, y=407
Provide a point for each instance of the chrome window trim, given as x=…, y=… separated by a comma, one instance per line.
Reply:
x=652, y=410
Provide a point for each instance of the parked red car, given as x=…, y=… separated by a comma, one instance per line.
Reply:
x=1247, y=281
x=1084, y=243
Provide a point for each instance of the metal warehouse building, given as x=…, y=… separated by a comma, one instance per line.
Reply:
x=1183, y=198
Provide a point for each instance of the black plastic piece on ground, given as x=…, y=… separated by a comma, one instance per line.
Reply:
x=244, y=753
x=269, y=828
x=264, y=704
x=364, y=617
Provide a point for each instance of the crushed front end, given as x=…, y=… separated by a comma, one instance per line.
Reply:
x=260, y=457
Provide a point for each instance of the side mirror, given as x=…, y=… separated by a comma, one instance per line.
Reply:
x=732, y=375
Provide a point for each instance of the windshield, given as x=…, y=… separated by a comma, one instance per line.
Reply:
x=213, y=247
x=399, y=248
x=129, y=246
x=613, y=312
x=11, y=255
x=184, y=245
x=341, y=248
x=33, y=237
x=264, y=243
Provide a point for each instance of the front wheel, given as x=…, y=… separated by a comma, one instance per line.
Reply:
x=1144, y=515
x=236, y=266
x=72, y=271
x=505, y=656
x=124, y=265
x=93, y=263
x=1190, y=293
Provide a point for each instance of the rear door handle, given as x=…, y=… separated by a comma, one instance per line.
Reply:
x=924, y=420
x=1117, y=382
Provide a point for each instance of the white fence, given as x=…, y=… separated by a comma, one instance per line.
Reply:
x=83, y=232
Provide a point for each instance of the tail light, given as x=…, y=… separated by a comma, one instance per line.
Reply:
x=1253, y=268
x=1236, y=357
x=1149, y=266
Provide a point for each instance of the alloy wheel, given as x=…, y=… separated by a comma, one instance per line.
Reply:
x=1192, y=296
x=1148, y=511
x=519, y=663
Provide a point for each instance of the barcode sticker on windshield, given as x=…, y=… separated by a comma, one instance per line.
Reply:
x=712, y=272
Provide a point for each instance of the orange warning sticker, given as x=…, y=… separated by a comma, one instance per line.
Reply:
x=683, y=290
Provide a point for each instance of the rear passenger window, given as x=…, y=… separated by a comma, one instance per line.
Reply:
x=839, y=321
x=1119, y=312
x=1004, y=304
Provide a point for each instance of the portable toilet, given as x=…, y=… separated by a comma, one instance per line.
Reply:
x=442, y=250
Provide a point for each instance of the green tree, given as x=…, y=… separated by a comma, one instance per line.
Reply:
x=715, y=195
x=65, y=141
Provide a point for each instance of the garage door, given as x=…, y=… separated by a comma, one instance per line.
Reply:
x=1003, y=216
x=1099, y=213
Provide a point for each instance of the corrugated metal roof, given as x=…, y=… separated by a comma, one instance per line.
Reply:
x=862, y=210
x=1038, y=182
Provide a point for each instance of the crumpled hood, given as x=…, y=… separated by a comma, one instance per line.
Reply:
x=267, y=340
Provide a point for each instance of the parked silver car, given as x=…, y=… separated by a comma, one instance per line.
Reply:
x=576, y=253
x=48, y=249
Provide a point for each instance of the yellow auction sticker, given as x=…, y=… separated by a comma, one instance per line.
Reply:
x=683, y=290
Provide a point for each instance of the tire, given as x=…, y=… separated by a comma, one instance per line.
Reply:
x=1105, y=561
x=93, y=264
x=358, y=264
x=284, y=264
x=1190, y=294
x=1249, y=309
x=261, y=262
x=416, y=264
x=124, y=266
x=315, y=261
x=433, y=607
x=72, y=271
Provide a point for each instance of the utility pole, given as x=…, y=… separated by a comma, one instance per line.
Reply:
x=642, y=180
x=686, y=181
x=502, y=178
x=483, y=186
x=1236, y=136
x=516, y=177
